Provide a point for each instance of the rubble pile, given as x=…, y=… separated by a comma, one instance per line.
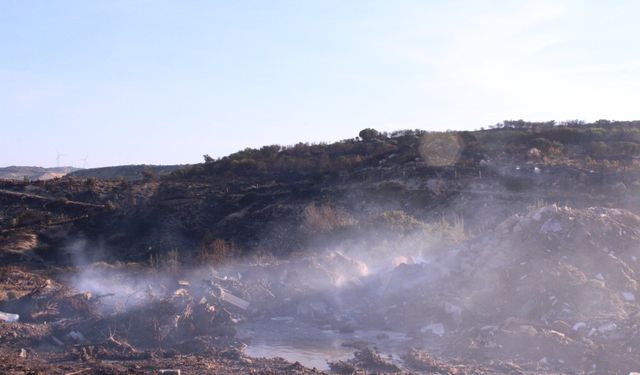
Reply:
x=53, y=316
x=555, y=288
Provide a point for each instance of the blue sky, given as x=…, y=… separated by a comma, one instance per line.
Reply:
x=163, y=82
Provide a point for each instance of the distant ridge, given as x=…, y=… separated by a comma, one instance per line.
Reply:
x=33, y=173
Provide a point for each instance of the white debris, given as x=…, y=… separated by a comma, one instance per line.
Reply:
x=8, y=318
x=608, y=327
x=236, y=301
x=579, y=325
x=435, y=328
x=181, y=293
x=599, y=276
x=628, y=296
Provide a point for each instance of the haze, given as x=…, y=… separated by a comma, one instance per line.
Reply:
x=163, y=82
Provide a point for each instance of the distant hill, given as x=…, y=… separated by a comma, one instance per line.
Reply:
x=127, y=172
x=34, y=173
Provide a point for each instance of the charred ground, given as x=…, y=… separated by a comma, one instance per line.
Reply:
x=512, y=202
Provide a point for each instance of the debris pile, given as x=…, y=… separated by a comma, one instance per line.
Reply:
x=98, y=328
x=556, y=288
x=553, y=289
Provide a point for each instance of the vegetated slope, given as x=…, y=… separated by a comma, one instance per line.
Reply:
x=283, y=200
x=126, y=172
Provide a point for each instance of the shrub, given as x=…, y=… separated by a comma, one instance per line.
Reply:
x=216, y=252
x=91, y=182
x=148, y=174
x=323, y=219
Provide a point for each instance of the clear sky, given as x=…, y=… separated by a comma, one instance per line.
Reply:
x=164, y=82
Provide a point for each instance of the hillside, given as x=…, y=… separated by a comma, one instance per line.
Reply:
x=284, y=199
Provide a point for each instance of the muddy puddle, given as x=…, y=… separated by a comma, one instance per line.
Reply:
x=313, y=346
